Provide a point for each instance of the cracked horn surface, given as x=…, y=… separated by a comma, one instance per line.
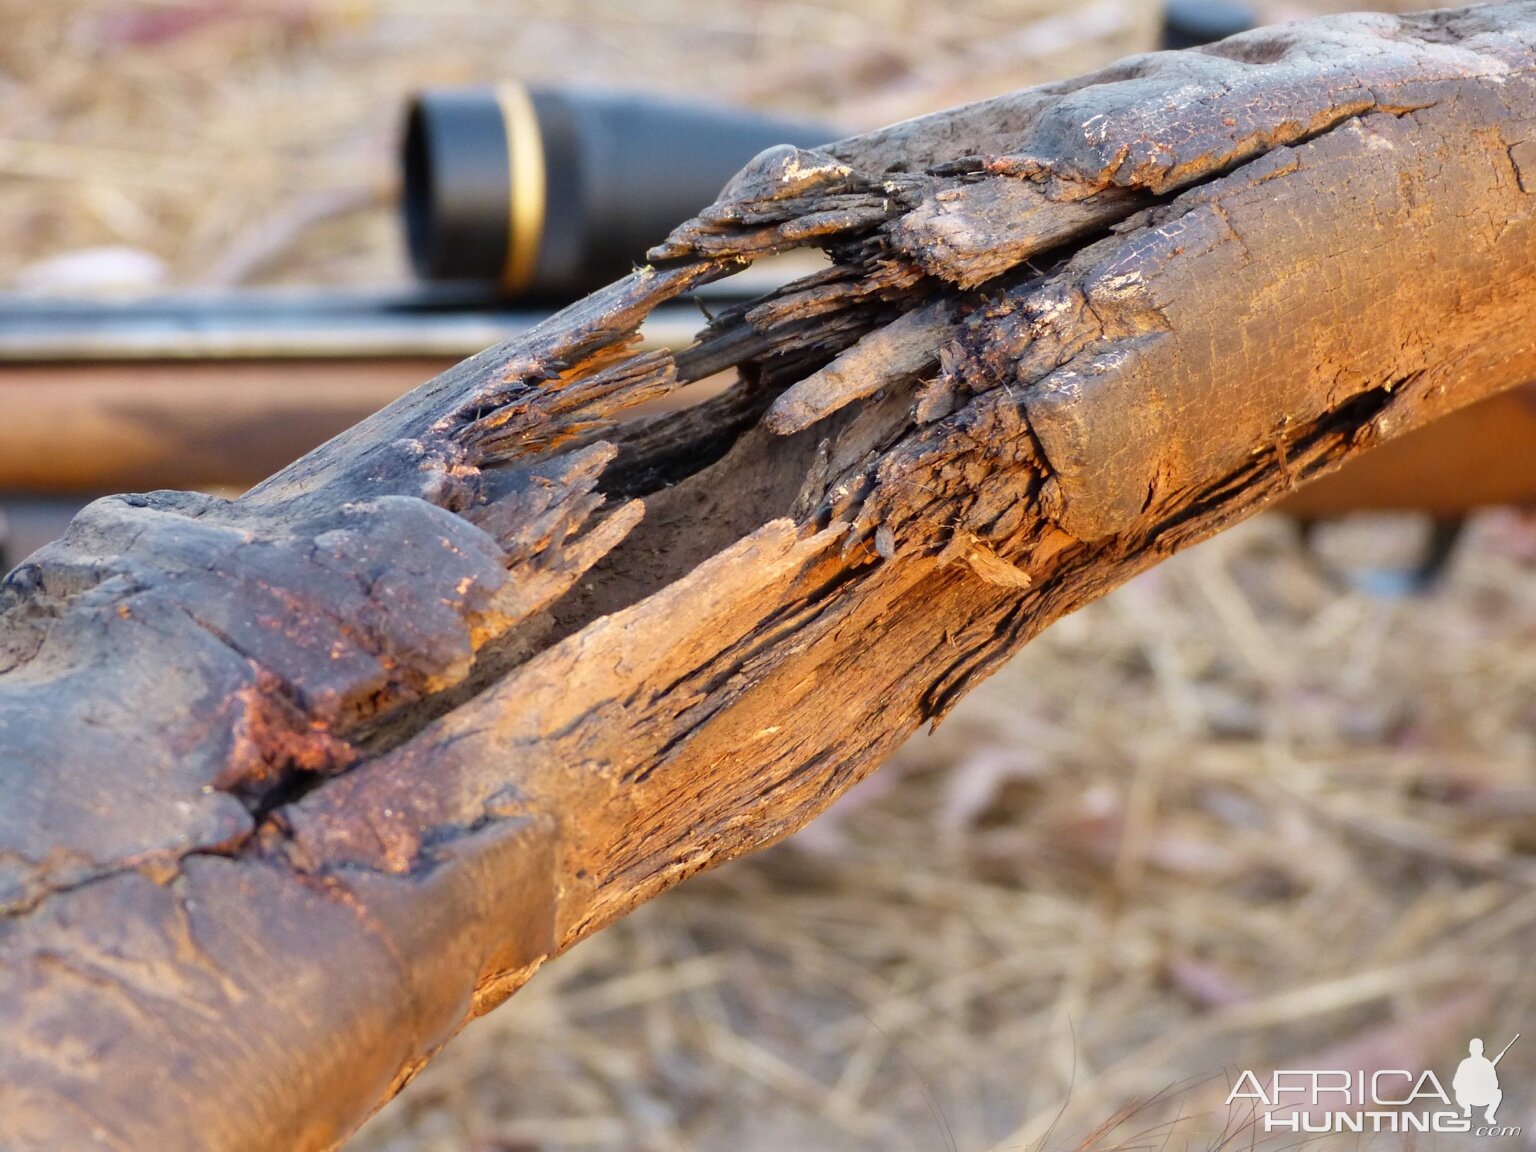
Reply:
x=292, y=785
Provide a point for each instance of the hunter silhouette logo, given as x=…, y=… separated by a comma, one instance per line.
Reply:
x=1387, y=1100
x=1477, y=1081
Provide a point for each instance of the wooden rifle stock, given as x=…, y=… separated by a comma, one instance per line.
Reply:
x=87, y=427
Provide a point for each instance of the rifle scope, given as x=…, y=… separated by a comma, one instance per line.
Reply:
x=1191, y=23
x=551, y=193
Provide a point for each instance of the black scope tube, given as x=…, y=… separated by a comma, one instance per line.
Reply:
x=1191, y=23
x=548, y=193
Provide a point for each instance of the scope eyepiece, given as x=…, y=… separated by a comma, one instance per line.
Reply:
x=1191, y=23
x=550, y=193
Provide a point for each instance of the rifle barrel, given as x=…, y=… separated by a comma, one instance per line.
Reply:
x=282, y=325
x=1505, y=1049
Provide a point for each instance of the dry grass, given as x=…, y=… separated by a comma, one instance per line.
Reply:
x=205, y=130
x=1232, y=816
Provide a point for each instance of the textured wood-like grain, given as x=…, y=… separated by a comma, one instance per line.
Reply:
x=294, y=784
